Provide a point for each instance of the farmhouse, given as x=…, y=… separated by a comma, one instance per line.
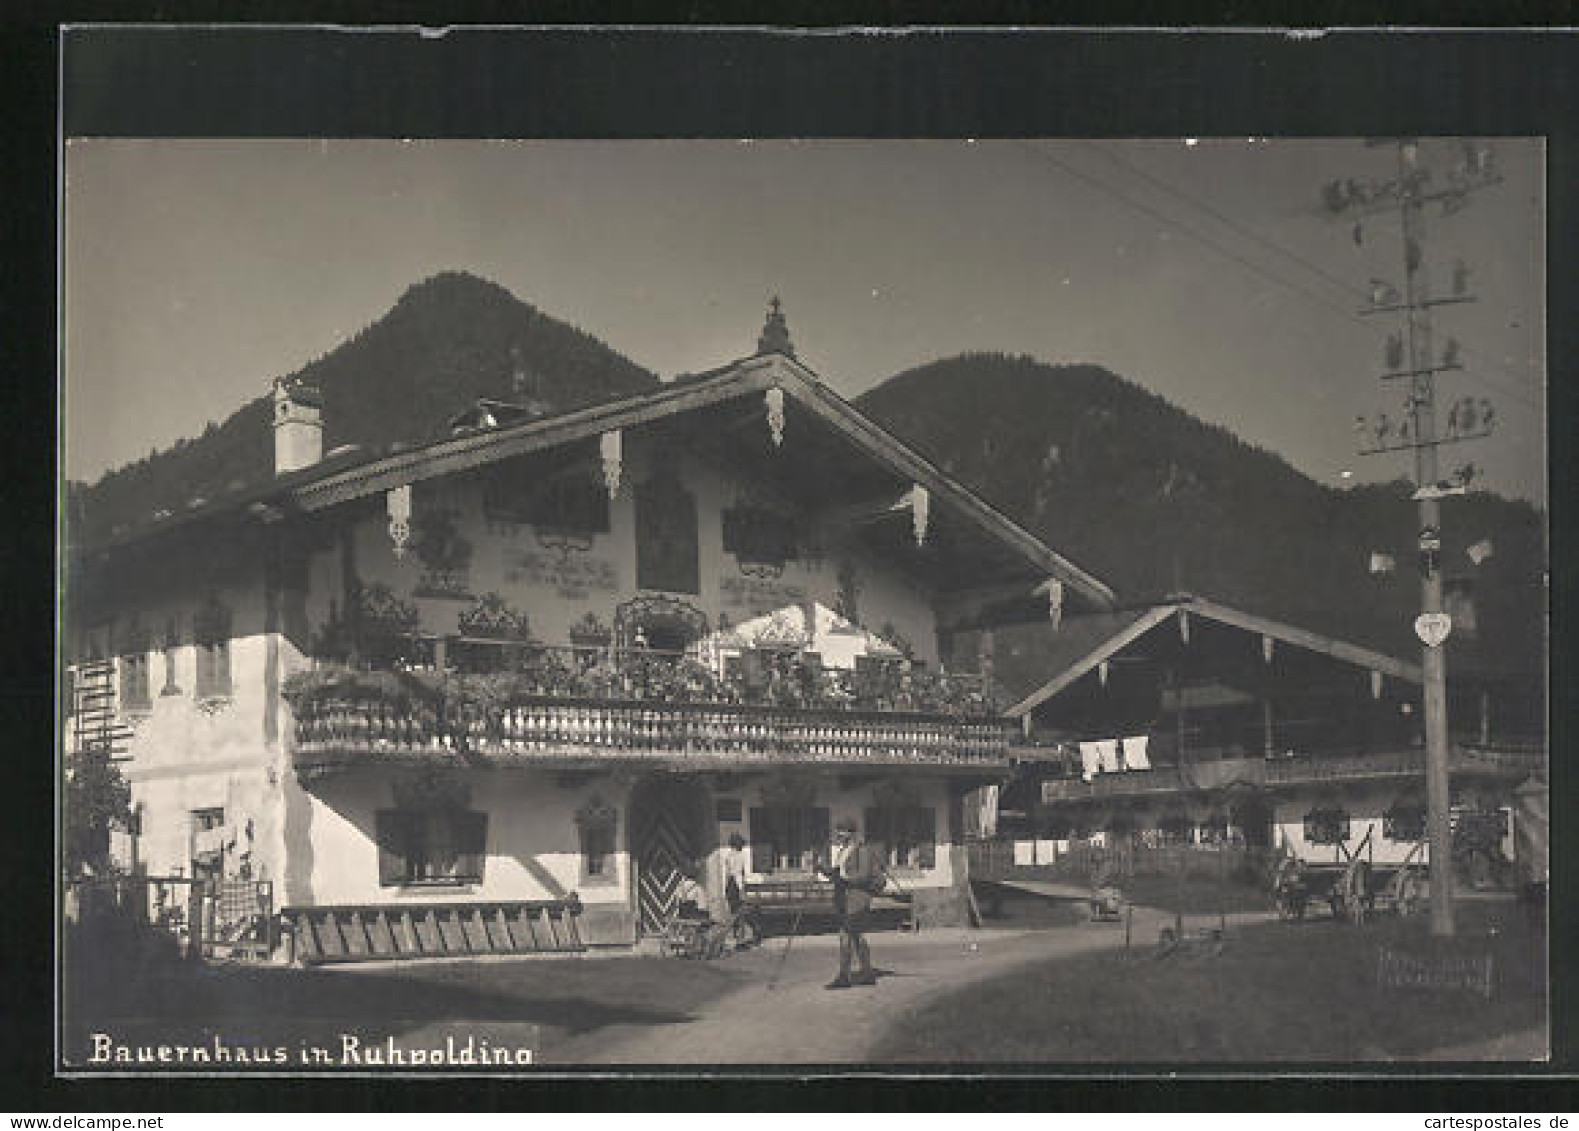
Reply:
x=501, y=690
x=1189, y=722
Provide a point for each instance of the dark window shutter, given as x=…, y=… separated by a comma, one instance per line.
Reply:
x=924, y=833
x=393, y=835
x=761, y=842
x=471, y=844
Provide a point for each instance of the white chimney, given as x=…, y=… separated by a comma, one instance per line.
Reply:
x=298, y=426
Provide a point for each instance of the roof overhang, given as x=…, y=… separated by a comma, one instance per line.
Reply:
x=1222, y=614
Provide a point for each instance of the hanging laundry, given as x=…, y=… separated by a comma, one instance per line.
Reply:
x=1109, y=751
x=1090, y=759
x=1135, y=755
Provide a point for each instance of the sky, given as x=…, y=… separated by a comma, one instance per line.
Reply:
x=1204, y=270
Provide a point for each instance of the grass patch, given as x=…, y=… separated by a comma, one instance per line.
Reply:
x=1306, y=992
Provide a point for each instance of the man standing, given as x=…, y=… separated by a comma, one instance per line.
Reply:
x=856, y=873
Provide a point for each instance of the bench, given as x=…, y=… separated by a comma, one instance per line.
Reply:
x=778, y=904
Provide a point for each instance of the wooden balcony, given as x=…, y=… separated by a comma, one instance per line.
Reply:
x=1500, y=760
x=555, y=731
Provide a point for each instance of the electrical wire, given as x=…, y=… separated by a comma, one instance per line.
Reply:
x=1258, y=269
x=1516, y=392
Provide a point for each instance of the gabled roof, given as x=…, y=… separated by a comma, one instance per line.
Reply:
x=753, y=374
x=1083, y=642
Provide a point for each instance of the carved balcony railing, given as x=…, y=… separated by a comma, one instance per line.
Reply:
x=531, y=728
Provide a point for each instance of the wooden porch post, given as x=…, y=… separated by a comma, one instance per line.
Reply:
x=1268, y=740
x=1485, y=716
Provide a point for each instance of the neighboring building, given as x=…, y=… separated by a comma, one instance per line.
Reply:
x=1189, y=722
x=552, y=660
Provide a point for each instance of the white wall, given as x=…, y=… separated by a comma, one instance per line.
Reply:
x=533, y=844
x=186, y=754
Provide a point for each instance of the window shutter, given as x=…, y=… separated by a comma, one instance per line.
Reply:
x=761, y=843
x=393, y=833
x=471, y=843
x=924, y=831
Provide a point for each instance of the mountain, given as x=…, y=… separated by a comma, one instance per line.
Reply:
x=449, y=340
x=1155, y=501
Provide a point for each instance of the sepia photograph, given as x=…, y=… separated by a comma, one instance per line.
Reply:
x=550, y=605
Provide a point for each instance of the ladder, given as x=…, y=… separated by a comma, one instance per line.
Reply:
x=95, y=729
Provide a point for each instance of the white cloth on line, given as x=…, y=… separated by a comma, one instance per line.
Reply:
x=1109, y=749
x=1090, y=759
x=1135, y=756
x=1025, y=852
x=1046, y=852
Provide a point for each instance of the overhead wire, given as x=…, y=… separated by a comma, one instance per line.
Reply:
x=1517, y=392
x=1215, y=245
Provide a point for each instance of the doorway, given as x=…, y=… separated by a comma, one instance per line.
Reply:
x=669, y=832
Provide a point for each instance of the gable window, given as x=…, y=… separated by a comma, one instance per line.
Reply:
x=443, y=845
x=1326, y=826
x=666, y=535
x=907, y=834
x=788, y=838
x=211, y=634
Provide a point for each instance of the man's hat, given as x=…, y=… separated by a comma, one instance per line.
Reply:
x=845, y=825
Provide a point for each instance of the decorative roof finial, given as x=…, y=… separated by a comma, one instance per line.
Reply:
x=775, y=332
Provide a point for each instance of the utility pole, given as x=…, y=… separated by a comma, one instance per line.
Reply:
x=1470, y=418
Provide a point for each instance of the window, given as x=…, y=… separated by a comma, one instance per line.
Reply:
x=788, y=838
x=564, y=509
x=596, y=821
x=213, y=669
x=761, y=539
x=431, y=846
x=908, y=834
x=1175, y=828
x=211, y=631
x=1404, y=822
x=1213, y=830
x=172, y=641
x=134, y=682
x=1326, y=826
x=135, y=645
